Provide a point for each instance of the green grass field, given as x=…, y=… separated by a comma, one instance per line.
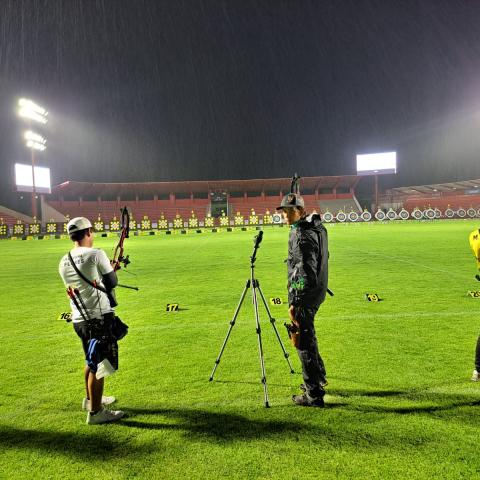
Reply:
x=400, y=403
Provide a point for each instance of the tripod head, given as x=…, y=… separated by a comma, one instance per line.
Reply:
x=256, y=244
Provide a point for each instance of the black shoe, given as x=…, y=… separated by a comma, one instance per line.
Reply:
x=477, y=277
x=307, y=401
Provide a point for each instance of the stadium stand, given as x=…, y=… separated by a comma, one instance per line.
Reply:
x=107, y=209
x=171, y=198
x=261, y=205
x=454, y=201
x=464, y=194
x=326, y=195
x=10, y=217
x=347, y=205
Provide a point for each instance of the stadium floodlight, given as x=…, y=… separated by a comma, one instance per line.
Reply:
x=35, y=137
x=35, y=141
x=36, y=146
x=31, y=111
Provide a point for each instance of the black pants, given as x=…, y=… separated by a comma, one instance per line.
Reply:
x=313, y=368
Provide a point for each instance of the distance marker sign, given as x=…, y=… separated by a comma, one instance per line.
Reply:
x=276, y=301
x=373, y=297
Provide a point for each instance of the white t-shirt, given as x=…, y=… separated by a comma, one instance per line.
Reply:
x=93, y=263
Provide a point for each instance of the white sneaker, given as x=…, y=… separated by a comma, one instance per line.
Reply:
x=105, y=401
x=104, y=416
x=475, y=376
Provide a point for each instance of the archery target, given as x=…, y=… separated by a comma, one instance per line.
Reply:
x=417, y=214
x=391, y=214
x=327, y=217
x=366, y=216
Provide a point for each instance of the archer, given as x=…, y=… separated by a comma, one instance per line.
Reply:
x=90, y=279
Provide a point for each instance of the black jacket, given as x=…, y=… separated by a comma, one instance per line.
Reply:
x=307, y=262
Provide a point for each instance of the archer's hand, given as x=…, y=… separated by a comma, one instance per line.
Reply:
x=293, y=328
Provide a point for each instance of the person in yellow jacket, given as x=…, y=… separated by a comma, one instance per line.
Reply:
x=474, y=239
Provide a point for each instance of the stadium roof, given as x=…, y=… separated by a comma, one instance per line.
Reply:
x=451, y=187
x=155, y=188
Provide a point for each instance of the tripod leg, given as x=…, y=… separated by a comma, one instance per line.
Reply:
x=232, y=323
x=260, y=347
x=272, y=321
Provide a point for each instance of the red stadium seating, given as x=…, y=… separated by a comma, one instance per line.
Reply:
x=8, y=219
x=154, y=208
x=182, y=197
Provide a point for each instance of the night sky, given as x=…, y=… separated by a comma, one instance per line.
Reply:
x=189, y=90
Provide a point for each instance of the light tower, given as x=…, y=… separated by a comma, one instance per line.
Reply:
x=30, y=111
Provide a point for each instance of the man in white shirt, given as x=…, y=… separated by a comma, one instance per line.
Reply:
x=91, y=281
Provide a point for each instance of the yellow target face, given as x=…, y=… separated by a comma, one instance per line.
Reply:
x=34, y=229
x=114, y=225
x=146, y=224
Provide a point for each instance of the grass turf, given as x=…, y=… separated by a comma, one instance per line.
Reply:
x=399, y=403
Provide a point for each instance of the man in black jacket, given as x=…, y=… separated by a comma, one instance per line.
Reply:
x=307, y=287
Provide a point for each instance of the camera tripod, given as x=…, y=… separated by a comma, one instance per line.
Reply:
x=255, y=285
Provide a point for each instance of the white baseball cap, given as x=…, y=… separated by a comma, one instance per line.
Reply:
x=78, y=223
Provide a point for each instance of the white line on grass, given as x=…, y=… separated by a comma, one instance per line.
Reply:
x=224, y=324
